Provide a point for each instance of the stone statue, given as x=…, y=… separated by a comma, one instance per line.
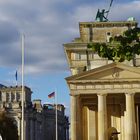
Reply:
x=100, y=16
x=113, y=133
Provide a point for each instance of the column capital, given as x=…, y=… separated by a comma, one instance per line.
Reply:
x=71, y=95
x=101, y=94
x=130, y=93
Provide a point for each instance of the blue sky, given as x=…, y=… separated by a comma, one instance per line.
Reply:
x=47, y=24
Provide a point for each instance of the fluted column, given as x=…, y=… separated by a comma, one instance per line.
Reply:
x=102, y=117
x=130, y=117
x=73, y=118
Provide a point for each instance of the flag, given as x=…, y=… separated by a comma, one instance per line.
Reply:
x=16, y=75
x=51, y=95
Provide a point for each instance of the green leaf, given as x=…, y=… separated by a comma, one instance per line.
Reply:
x=119, y=48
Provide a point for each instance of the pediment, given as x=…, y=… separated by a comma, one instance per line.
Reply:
x=108, y=72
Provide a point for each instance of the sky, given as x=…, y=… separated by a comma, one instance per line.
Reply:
x=47, y=25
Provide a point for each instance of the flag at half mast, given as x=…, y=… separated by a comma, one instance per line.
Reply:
x=51, y=95
x=16, y=75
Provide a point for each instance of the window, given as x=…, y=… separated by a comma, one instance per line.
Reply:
x=91, y=55
x=77, y=56
x=83, y=56
x=7, y=97
x=12, y=97
x=72, y=56
x=108, y=35
x=17, y=96
x=15, y=122
x=80, y=56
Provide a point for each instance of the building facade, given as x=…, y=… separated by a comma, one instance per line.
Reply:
x=39, y=119
x=105, y=96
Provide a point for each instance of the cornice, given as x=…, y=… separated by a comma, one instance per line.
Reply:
x=108, y=24
x=104, y=81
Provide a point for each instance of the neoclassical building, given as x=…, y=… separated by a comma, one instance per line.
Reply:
x=39, y=119
x=105, y=96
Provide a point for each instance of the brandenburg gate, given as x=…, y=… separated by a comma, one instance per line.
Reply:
x=105, y=95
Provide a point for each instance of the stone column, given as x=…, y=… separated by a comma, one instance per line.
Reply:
x=79, y=117
x=19, y=127
x=92, y=123
x=15, y=96
x=26, y=128
x=10, y=97
x=129, y=125
x=67, y=133
x=122, y=121
x=33, y=123
x=31, y=129
x=102, y=117
x=73, y=118
x=36, y=130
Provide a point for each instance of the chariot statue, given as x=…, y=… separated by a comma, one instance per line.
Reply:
x=102, y=15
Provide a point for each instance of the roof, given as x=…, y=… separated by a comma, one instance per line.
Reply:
x=107, y=72
x=14, y=88
x=110, y=23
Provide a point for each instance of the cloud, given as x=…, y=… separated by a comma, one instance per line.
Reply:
x=47, y=25
x=8, y=33
x=128, y=11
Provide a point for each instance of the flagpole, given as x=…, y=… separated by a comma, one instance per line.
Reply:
x=22, y=125
x=16, y=83
x=56, y=115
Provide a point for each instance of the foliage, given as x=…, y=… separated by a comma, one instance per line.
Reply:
x=8, y=129
x=120, y=48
